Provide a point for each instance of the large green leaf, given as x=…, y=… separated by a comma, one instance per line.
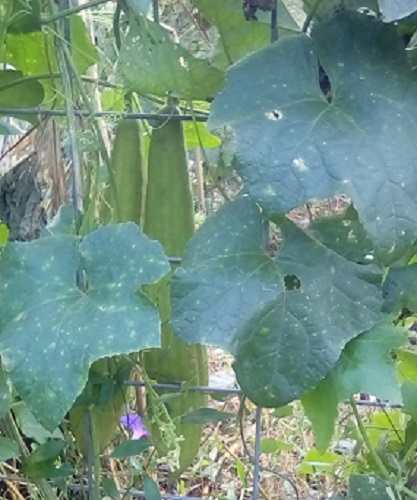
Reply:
x=18, y=92
x=238, y=37
x=285, y=319
x=42, y=52
x=365, y=366
x=400, y=289
x=51, y=330
x=152, y=63
x=393, y=10
x=24, y=18
x=326, y=8
x=369, y=487
x=293, y=145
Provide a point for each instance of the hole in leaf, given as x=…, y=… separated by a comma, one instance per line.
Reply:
x=275, y=115
x=292, y=282
x=325, y=84
x=81, y=280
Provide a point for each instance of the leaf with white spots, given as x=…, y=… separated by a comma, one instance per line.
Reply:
x=369, y=487
x=154, y=64
x=51, y=330
x=287, y=319
x=365, y=366
x=299, y=139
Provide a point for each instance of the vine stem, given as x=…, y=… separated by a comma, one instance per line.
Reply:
x=251, y=458
x=93, y=458
x=66, y=79
x=103, y=149
x=72, y=10
x=376, y=457
x=367, y=441
x=310, y=16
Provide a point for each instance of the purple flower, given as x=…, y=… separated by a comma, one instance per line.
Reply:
x=133, y=422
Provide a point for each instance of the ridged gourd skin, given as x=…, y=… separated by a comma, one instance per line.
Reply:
x=169, y=218
x=128, y=166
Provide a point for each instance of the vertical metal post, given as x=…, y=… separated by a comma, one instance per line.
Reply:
x=258, y=423
x=155, y=9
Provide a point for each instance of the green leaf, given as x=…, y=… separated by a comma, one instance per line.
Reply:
x=393, y=10
x=30, y=427
x=322, y=463
x=286, y=338
x=284, y=411
x=4, y=234
x=369, y=487
x=46, y=469
x=6, y=8
x=113, y=100
x=327, y=8
x=109, y=487
x=269, y=445
x=241, y=472
x=8, y=449
x=238, y=37
x=6, y=398
x=25, y=20
x=41, y=47
x=49, y=450
x=151, y=489
x=409, y=395
x=18, y=92
x=293, y=145
x=365, y=366
x=205, y=416
x=51, y=331
x=400, y=289
x=196, y=132
x=131, y=448
x=407, y=365
x=62, y=223
x=42, y=51
x=153, y=64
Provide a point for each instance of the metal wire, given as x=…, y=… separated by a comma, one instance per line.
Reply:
x=100, y=114
x=84, y=487
x=137, y=493
x=238, y=392
x=180, y=387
